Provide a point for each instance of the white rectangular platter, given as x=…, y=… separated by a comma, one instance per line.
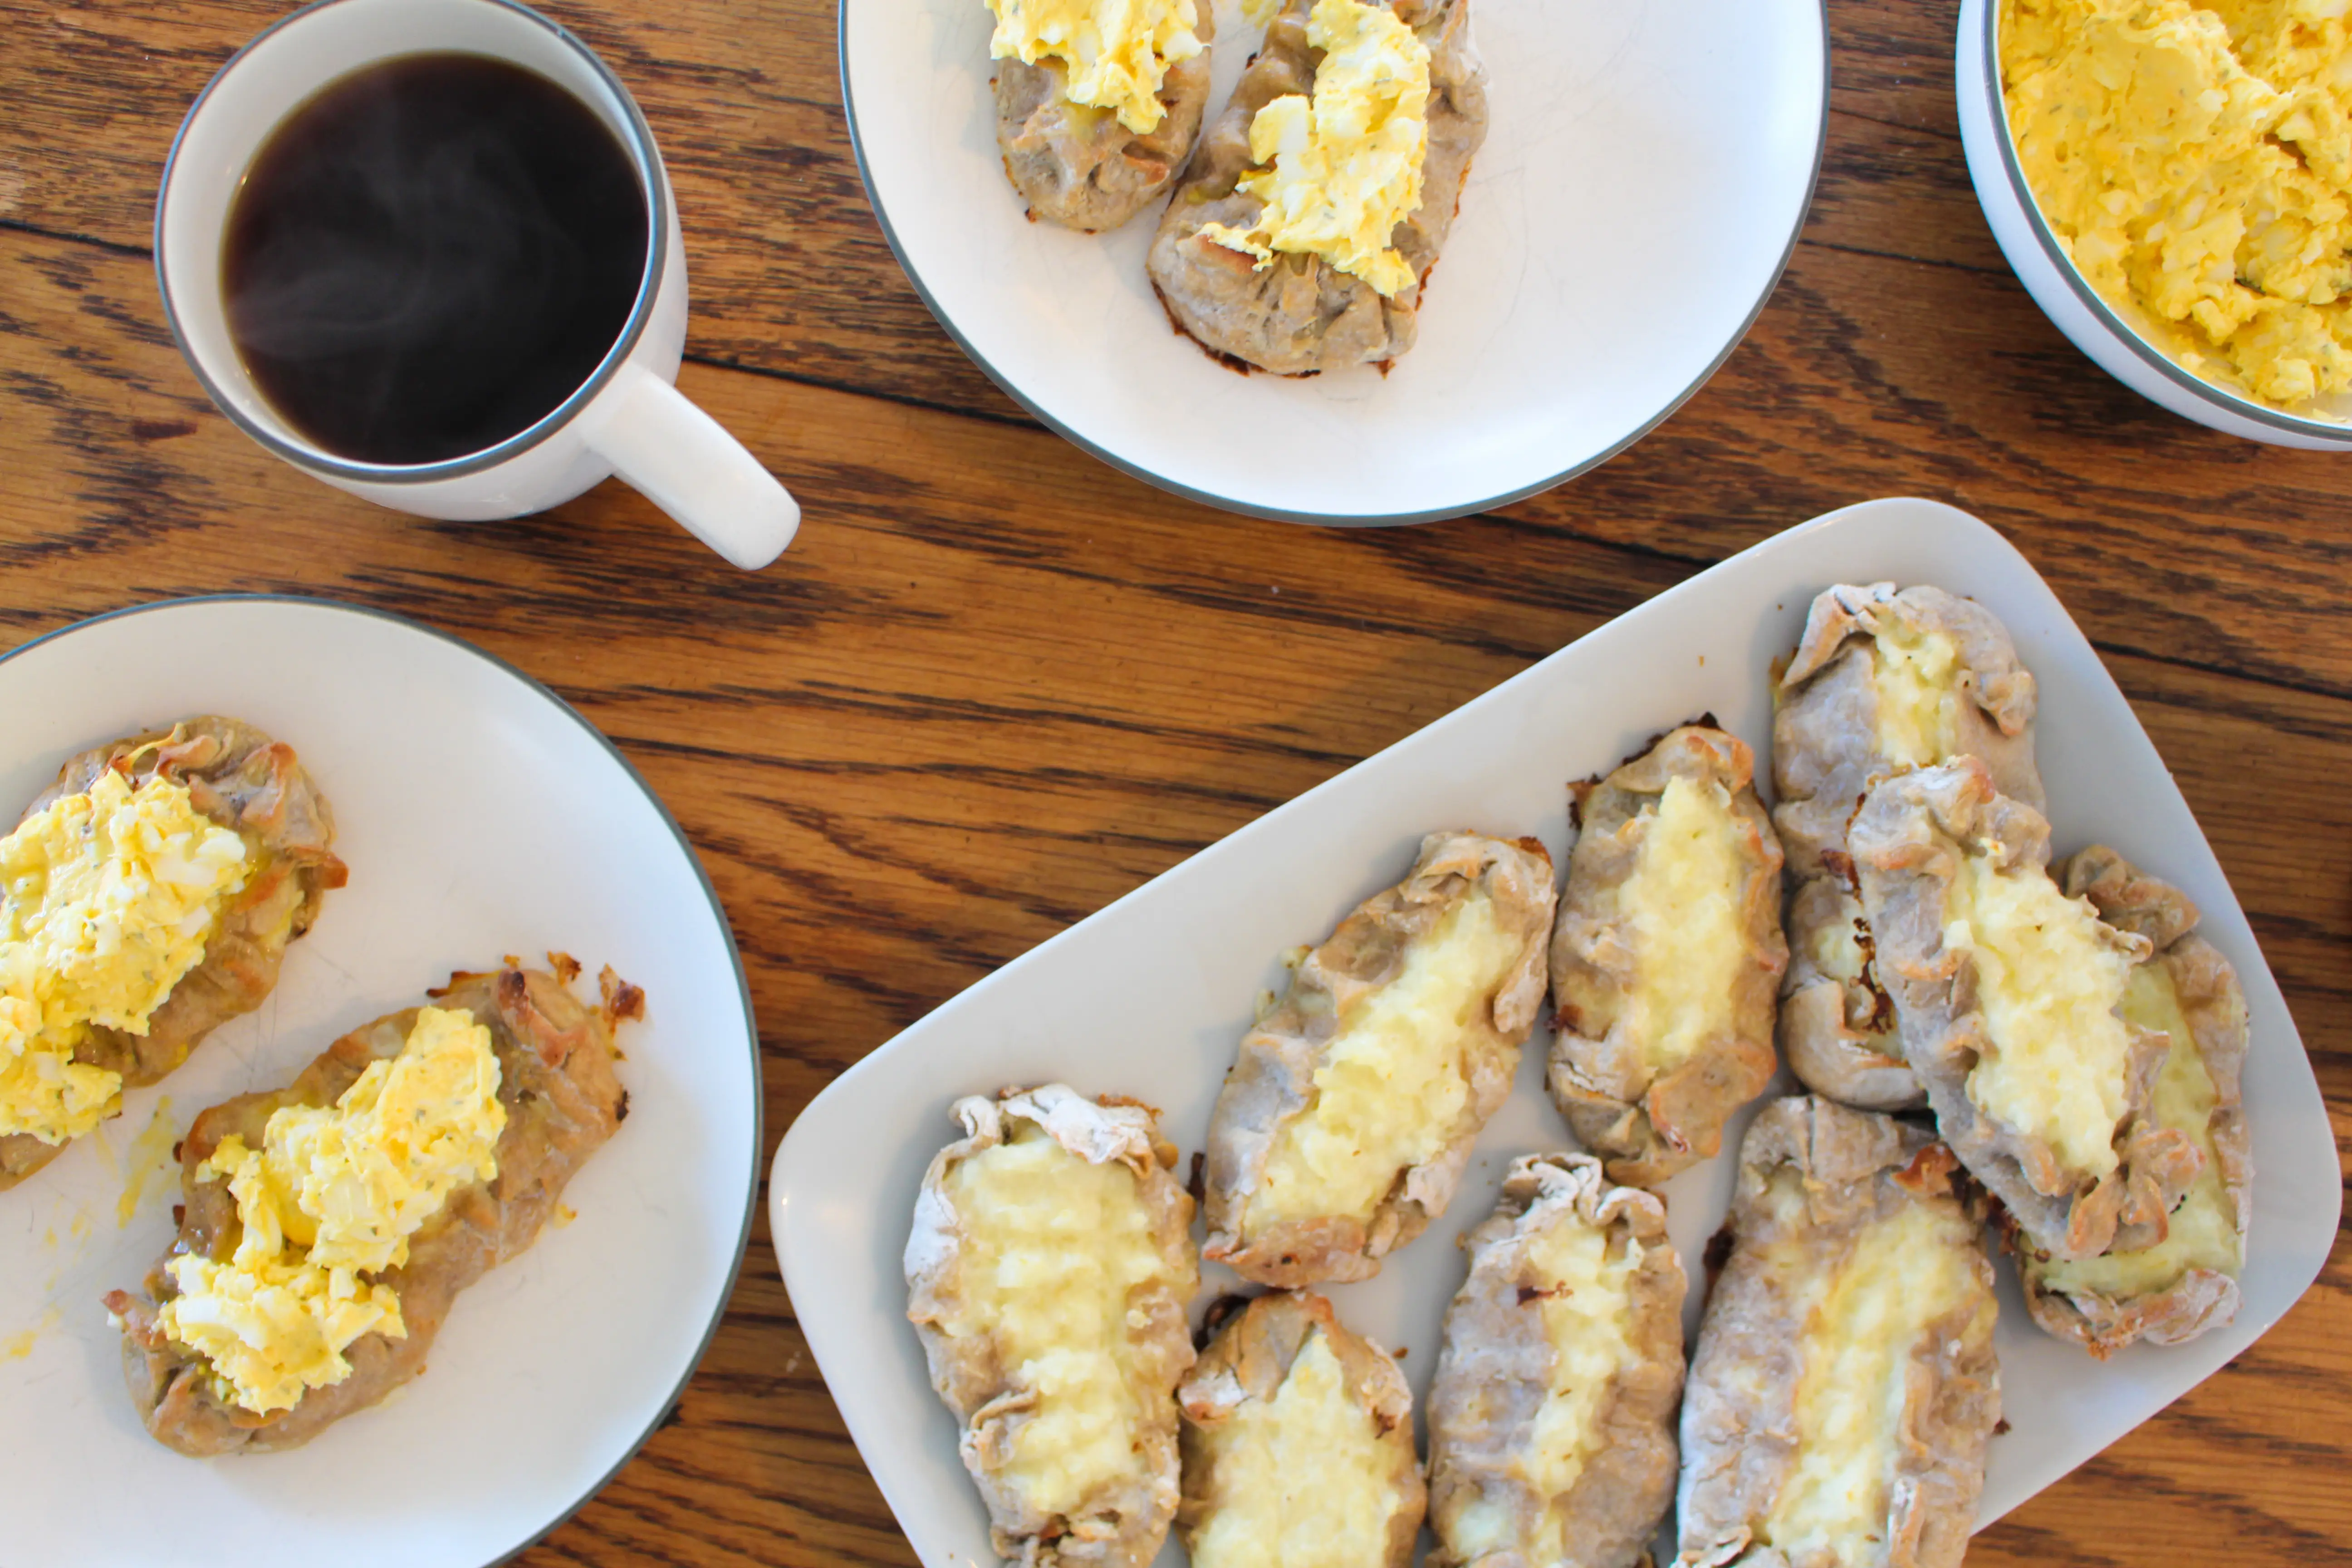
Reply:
x=1149, y=997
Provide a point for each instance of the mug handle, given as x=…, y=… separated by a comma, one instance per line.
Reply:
x=686, y=463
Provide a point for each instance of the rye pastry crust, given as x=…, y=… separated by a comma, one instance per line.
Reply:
x=1551, y=1416
x=1859, y=701
x=1663, y=1036
x=2186, y=1282
x=562, y=1102
x=1077, y=166
x=1118, y=1512
x=241, y=779
x=1843, y=1222
x=1837, y=1023
x=1295, y=1428
x=1302, y=315
x=1831, y=739
x=1443, y=975
x=2094, y=1171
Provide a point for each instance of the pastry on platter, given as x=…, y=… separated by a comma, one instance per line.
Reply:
x=1297, y=1444
x=1302, y=236
x=146, y=898
x=1099, y=103
x=1350, y=1109
x=1845, y=1385
x=1048, y=1275
x=329, y=1226
x=1666, y=961
x=1881, y=680
x=1551, y=1416
x=2177, y=1286
x=2010, y=997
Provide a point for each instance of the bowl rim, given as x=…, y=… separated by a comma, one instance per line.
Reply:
x=2331, y=432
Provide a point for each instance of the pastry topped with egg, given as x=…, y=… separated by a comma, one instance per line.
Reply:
x=1300, y=238
x=146, y=896
x=1845, y=1387
x=2191, y=160
x=1352, y=1106
x=1047, y=1271
x=1551, y=1416
x=1097, y=101
x=2013, y=1003
x=1667, y=955
x=1883, y=679
x=1297, y=1443
x=327, y=1227
x=2174, y=1276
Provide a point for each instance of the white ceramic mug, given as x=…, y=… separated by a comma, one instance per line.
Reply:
x=626, y=419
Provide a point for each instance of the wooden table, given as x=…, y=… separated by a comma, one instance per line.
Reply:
x=996, y=684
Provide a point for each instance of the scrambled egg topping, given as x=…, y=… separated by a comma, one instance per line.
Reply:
x=1345, y=170
x=2196, y=163
x=1116, y=52
x=106, y=900
x=333, y=1192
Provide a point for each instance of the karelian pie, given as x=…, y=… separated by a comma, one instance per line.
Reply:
x=1845, y=1385
x=1092, y=166
x=1666, y=962
x=2174, y=1286
x=1342, y=1129
x=203, y=849
x=414, y=1155
x=1295, y=312
x=1048, y=1272
x=2009, y=997
x=1551, y=1416
x=1297, y=1444
x=1881, y=681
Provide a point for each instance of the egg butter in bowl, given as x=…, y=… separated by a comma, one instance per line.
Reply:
x=2172, y=182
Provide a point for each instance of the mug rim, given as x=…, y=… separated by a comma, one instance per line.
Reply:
x=638, y=140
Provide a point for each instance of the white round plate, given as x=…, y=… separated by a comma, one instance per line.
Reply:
x=480, y=816
x=1645, y=170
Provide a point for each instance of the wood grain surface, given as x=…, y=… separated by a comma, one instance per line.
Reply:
x=997, y=684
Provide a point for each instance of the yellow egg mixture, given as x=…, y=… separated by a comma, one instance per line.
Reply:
x=1391, y=1086
x=1301, y=1480
x=1117, y=52
x=2048, y=988
x=1915, y=675
x=1345, y=168
x=1054, y=1248
x=1588, y=1320
x=2203, y=1231
x=2196, y=163
x=333, y=1193
x=106, y=900
x=1682, y=901
x=1865, y=1319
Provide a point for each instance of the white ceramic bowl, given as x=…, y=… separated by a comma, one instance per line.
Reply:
x=2063, y=294
x=479, y=815
x=1642, y=181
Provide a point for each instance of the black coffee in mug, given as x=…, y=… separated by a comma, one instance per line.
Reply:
x=430, y=254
